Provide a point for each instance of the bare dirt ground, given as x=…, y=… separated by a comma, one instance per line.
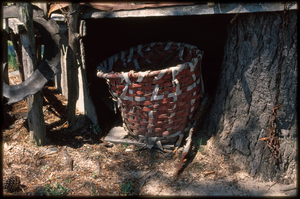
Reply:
x=101, y=169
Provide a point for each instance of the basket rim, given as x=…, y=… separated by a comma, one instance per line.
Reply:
x=149, y=73
x=103, y=73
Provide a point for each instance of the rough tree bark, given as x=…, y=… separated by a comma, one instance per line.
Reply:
x=72, y=66
x=241, y=110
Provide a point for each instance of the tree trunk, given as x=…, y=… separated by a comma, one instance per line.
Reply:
x=241, y=110
x=36, y=121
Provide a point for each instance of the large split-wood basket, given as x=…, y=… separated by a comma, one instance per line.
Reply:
x=158, y=87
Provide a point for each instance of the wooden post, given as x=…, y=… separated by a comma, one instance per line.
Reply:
x=84, y=103
x=36, y=121
x=38, y=47
x=72, y=65
x=62, y=77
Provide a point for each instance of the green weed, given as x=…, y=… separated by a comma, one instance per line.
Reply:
x=94, y=174
x=55, y=190
x=198, y=166
x=201, y=148
x=12, y=62
x=96, y=128
x=69, y=180
x=126, y=187
x=125, y=145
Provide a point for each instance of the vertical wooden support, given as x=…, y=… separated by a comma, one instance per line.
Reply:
x=38, y=47
x=84, y=103
x=61, y=78
x=36, y=121
x=72, y=65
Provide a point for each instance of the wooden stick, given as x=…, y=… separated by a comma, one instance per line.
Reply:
x=196, y=121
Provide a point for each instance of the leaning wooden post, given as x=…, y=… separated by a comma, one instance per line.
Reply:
x=36, y=121
x=72, y=65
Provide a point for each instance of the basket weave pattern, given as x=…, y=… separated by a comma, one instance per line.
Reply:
x=156, y=102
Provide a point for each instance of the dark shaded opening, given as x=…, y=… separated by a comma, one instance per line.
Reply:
x=108, y=36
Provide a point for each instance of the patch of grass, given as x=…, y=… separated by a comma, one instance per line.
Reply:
x=126, y=187
x=94, y=174
x=69, y=180
x=125, y=145
x=12, y=62
x=201, y=148
x=11, y=58
x=94, y=191
x=55, y=190
x=198, y=166
x=96, y=128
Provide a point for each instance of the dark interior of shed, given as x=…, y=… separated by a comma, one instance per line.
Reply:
x=108, y=36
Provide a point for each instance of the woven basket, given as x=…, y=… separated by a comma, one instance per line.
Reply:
x=158, y=89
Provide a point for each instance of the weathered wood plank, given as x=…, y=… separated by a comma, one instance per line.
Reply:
x=72, y=65
x=118, y=131
x=10, y=12
x=36, y=121
x=122, y=141
x=16, y=25
x=118, y=135
x=84, y=103
x=61, y=79
x=42, y=6
x=198, y=9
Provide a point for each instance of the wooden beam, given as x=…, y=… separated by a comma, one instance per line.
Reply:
x=11, y=12
x=16, y=25
x=42, y=6
x=197, y=9
x=36, y=121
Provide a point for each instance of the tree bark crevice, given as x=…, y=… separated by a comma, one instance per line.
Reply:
x=240, y=112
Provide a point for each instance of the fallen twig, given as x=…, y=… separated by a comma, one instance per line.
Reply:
x=50, y=153
x=272, y=185
x=289, y=189
x=208, y=172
